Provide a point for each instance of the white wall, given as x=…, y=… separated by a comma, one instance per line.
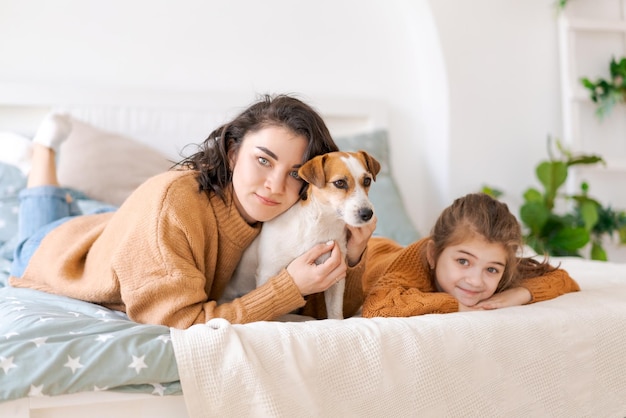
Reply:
x=471, y=99
x=502, y=68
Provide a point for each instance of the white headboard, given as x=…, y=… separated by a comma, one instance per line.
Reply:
x=166, y=119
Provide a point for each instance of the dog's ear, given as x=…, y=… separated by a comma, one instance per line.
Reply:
x=313, y=171
x=372, y=164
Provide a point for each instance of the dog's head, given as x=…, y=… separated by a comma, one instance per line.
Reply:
x=342, y=180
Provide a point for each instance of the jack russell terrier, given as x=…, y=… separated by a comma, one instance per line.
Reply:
x=337, y=196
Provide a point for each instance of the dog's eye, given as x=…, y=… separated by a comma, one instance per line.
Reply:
x=340, y=184
x=367, y=181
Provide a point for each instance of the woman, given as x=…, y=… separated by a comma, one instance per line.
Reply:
x=166, y=255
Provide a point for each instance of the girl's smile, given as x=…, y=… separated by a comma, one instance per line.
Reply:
x=471, y=270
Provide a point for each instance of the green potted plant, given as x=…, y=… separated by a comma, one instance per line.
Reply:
x=584, y=221
x=608, y=93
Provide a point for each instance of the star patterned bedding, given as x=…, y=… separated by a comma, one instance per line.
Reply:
x=52, y=345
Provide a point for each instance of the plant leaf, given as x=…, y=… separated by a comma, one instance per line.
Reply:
x=569, y=239
x=586, y=159
x=534, y=214
x=533, y=195
x=589, y=214
x=552, y=174
x=492, y=191
x=597, y=252
x=622, y=234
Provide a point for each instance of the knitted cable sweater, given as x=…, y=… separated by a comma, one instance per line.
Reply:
x=398, y=282
x=165, y=257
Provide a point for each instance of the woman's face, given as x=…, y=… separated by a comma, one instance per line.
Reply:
x=470, y=270
x=265, y=172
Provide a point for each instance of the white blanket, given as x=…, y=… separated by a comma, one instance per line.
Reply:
x=560, y=358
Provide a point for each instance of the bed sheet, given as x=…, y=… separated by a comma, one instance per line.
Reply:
x=52, y=345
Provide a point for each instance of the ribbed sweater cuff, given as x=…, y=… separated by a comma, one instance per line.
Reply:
x=278, y=296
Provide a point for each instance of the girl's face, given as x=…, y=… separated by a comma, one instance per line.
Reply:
x=265, y=172
x=469, y=271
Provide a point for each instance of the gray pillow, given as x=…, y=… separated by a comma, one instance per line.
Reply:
x=106, y=166
x=393, y=221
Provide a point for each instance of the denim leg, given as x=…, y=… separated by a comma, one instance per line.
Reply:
x=42, y=205
x=42, y=209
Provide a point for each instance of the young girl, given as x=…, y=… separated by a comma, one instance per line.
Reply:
x=468, y=263
x=166, y=255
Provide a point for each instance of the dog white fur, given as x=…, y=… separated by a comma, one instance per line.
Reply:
x=337, y=196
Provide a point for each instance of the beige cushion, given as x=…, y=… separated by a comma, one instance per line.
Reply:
x=104, y=165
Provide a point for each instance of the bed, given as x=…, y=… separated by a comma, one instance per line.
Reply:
x=66, y=358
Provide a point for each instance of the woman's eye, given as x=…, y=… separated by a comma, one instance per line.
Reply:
x=295, y=174
x=263, y=161
x=463, y=261
x=493, y=270
x=340, y=184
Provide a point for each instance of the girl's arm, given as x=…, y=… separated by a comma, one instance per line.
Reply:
x=533, y=289
x=404, y=286
x=514, y=296
x=395, y=300
x=550, y=285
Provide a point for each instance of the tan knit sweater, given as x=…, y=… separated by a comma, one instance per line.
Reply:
x=164, y=257
x=398, y=282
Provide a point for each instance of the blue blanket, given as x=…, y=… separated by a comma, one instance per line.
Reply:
x=52, y=345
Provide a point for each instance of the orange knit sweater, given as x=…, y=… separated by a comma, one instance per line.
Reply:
x=398, y=282
x=165, y=257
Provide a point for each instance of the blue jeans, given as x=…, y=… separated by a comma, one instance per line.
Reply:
x=42, y=209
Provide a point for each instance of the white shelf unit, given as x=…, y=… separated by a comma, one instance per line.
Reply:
x=591, y=33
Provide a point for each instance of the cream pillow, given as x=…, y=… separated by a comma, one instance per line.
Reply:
x=104, y=165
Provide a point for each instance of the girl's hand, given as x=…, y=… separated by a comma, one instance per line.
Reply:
x=358, y=238
x=511, y=297
x=314, y=278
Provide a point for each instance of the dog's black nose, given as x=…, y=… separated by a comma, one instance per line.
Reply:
x=366, y=214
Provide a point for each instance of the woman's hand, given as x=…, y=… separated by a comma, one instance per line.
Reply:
x=514, y=296
x=358, y=238
x=314, y=278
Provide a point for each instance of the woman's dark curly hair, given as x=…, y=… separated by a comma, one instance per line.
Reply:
x=211, y=160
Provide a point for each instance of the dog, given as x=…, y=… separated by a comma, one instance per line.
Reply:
x=336, y=196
